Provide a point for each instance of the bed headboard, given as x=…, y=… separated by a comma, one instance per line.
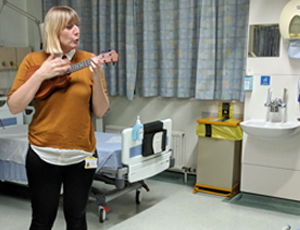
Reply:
x=6, y=117
x=140, y=166
x=132, y=149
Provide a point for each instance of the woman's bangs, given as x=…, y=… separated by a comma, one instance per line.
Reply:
x=69, y=18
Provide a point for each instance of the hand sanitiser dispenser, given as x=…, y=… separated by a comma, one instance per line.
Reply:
x=138, y=130
x=248, y=82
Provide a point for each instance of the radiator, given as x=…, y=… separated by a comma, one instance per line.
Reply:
x=177, y=144
x=114, y=128
x=179, y=152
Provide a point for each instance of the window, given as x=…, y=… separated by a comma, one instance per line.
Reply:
x=264, y=41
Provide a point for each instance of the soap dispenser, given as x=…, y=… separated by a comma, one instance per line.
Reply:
x=138, y=130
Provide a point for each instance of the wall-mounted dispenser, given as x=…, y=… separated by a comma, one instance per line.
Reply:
x=248, y=83
x=289, y=24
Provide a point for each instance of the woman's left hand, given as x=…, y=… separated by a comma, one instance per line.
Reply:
x=100, y=101
x=96, y=66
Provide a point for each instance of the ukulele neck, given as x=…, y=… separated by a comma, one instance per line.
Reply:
x=105, y=58
x=78, y=66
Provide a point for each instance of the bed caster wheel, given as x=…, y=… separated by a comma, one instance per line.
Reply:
x=102, y=214
x=138, y=197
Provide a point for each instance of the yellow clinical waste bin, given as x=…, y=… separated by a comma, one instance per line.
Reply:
x=219, y=156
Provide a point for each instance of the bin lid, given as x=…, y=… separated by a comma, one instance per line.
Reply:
x=219, y=121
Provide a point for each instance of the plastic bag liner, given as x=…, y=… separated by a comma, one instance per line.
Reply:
x=219, y=128
x=294, y=48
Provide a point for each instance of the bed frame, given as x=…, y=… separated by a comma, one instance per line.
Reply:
x=136, y=166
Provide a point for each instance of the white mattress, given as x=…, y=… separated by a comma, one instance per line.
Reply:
x=14, y=143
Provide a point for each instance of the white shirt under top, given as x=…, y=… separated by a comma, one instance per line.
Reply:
x=58, y=156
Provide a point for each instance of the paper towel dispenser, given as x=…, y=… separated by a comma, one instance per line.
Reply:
x=289, y=23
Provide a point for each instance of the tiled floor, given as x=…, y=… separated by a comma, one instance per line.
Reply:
x=170, y=205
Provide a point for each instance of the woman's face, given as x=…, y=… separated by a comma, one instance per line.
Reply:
x=69, y=38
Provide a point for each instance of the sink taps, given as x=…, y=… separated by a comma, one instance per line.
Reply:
x=277, y=102
x=284, y=97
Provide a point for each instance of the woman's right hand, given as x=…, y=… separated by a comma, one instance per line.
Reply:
x=53, y=67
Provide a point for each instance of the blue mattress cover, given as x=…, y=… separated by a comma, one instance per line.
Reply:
x=10, y=170
x=109, y=149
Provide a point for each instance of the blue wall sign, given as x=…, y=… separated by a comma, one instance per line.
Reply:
x=265, y=80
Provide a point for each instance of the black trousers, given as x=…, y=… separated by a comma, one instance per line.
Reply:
x=45, y=182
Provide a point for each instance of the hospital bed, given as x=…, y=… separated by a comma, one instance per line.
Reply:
x=123, y=163
x=13, y=145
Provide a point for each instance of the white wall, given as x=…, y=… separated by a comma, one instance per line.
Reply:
x=13, y=26
x=34, y=8
x=16, y=30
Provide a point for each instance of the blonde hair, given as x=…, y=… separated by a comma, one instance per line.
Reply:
x=57, y=18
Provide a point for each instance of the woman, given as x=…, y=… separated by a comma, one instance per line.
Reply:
x=61, y=135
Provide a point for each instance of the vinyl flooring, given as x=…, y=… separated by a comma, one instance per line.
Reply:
x=170, y=205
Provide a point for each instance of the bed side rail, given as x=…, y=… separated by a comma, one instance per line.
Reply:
x=8, y=119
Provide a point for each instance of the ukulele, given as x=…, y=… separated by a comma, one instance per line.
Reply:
x=62, y=81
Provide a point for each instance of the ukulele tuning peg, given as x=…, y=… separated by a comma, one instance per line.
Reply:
x=109, y=50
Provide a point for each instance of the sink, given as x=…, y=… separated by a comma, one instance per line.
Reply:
x=270, y=130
